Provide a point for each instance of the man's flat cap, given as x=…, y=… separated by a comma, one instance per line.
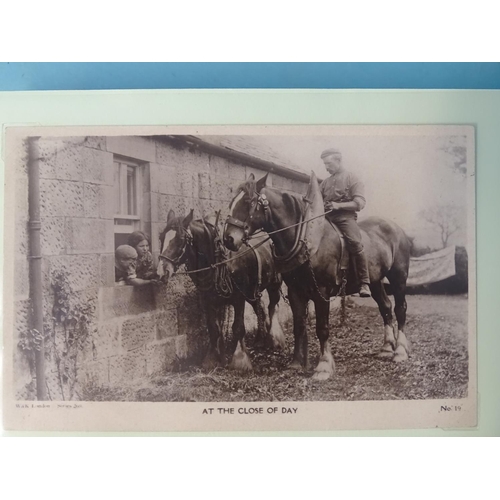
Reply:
x=331, y=151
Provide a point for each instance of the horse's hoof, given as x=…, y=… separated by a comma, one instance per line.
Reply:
x=400, y=354
x=321, y=376
x=240, y=360
x=385, y=355
x=295, y=365
x=241, y=364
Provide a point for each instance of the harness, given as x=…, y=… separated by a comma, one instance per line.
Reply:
x=300, y=252
x=219, y=279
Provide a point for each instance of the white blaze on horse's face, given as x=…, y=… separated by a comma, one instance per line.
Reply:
x=161, y=271
x=236, y=200
x=168, y=238
x=233, y=235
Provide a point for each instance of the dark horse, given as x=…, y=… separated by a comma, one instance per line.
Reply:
x=308, y=254
x=194, y=243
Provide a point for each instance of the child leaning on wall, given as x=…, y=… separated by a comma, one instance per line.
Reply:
x=144, y=267
x=125, y=267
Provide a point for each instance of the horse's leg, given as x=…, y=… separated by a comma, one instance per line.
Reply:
x=398, y=284
x=240, y=360
x=385, y=308
x=298, y=304
x=216, y=355
x=276, y=335
x=262, y=321
x=326, y=365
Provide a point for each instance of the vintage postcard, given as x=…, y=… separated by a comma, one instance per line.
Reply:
x=189, y=278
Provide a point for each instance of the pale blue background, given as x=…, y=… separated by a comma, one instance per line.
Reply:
x=89, y=76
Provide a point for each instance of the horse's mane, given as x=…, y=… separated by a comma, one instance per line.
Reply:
x=176, y=223
x=293, y=201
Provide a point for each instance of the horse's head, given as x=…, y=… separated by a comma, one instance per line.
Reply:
x=247, y=212
x=174, y=241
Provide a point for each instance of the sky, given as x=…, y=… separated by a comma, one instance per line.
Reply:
x=403, y=174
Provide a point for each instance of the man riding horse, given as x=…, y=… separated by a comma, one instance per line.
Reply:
x=344, y=193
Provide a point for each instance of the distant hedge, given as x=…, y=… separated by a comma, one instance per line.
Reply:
x=452, y=285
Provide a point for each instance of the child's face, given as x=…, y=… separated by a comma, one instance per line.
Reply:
x=126, y=262
x=142, y=248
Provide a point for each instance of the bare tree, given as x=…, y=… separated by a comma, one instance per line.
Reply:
x=457, y=152
x=447, y=220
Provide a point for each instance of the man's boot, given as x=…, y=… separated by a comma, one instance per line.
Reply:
x=362, y=274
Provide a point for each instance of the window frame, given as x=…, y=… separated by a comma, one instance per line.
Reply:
x=121, y=195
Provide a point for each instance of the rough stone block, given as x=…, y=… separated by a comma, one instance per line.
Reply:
x=222, y=189
x=106, y=270
x=98, y=201
x=89, y=235
x=21, y=277
x=125, y=300
x=52, y=236
x=82, y=270
x=138, y=331
x=160, y=355
x=127, y=367
x=138, y=148
x=47, y=151
x=167, y=183
x=95, y=372
x=186, y=183
x=192, y=319
x=219, y=166
x=21, y=241
x=151, y=206
x=237, y=171
x=204, y=185
x=179, y=204
x=91, y=201
x=97, y=167
x=61, y=198
x=106, y=340
x=83, y=163
x=208, y=208
x=179, y=291
x=21, y=317
x=21, y=197
x=166, y=323
x=181, y=157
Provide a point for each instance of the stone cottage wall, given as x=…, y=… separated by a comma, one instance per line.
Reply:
x=130, y=332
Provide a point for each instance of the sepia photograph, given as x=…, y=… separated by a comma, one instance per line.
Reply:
x=252, y=270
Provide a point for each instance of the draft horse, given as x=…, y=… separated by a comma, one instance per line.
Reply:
x=248, y=273
x=307, y=250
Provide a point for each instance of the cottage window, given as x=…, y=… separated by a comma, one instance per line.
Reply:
x=127, y=199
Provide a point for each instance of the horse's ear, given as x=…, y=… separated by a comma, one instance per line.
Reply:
x=170, y=216
x=312, y=189
x=188, y=219
x=261, y=183
x=251, y=178
x=288, y=202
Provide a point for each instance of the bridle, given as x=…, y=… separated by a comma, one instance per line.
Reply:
x=187, y=239
x=258, y=200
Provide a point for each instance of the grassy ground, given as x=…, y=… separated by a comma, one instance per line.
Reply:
x=437, y=368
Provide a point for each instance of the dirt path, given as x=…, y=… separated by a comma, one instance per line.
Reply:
x=437, y=368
